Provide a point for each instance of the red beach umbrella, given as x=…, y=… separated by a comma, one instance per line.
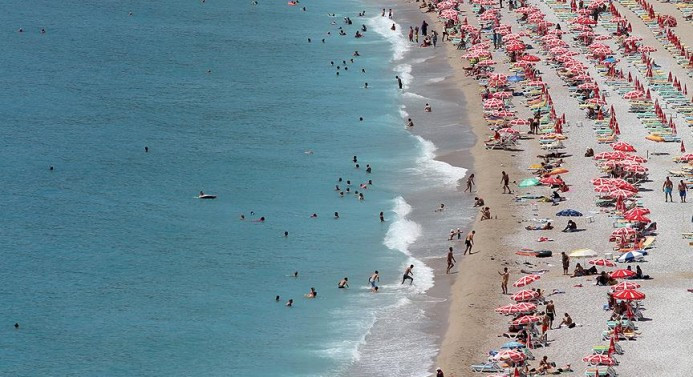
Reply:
x=623, y=147
x=551, y=181
x=522, y=307
x=629, y=295
x=512, y=355
x=602, y=262
x=637, y=211
x=524, y=320
x=637, y=218
x=599, y=360
x=635, y=168
x=624, y=233
x=526, y=280
x=525, y=295
x=624, y=285
x=620, y=193
x=622, y=274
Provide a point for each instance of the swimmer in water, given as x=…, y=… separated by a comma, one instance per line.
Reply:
x=344, y=283
x=286, y=234
x=357, y=166
x=336, y=215
x=341, y=193
x=363, y=70
x=312, y=293
x=295, y=274
x=242, y=217
x=441, y=208
x=393, y=28
x=373, y=279
x=314, y=216
x=361, y=196
x=365, y=86
x=50, y=168
x=355, y=159
x=360, y=119
x=368, y=168
x=290, y=303
x=276, y=298
x=336, y=188
x=382, y=217
x=410, y=123
x=146, y=149
x=427, y=108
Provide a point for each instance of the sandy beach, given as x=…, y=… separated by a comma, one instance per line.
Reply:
x=473, y=327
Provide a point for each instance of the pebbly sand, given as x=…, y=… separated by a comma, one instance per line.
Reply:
x=473, y=328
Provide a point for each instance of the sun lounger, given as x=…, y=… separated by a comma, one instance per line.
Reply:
x=600, y=371
x=490, y=367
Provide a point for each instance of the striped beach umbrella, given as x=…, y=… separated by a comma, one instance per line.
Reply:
x=622, y=274
x=602, y=262
x=625, y=285
x=637, y=211
x=599, y=360
x=526, y=280
x=629, y=295
x=624, y=233
x=525, y=295
x=527, y=319
x=522, y=307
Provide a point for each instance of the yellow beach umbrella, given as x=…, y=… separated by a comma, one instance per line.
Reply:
x=582, y=253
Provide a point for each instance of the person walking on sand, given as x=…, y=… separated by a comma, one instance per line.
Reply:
x=682, y=191
x=505, y=180
x=505, y=275
x=408, y=274
x=566, y=262
x=451, y=260
x=470, y=183
x=668, y=187
x=469, y=242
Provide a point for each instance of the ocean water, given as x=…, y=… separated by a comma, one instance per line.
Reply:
x=113, y=267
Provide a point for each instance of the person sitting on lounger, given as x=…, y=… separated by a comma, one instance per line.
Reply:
x=571, y=227
x=579, y=271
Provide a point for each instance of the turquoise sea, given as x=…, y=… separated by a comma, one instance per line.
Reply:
x=112, y=267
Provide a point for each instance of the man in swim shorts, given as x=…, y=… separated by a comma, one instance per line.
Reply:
x=668, y=187
x=408, y=275
x=375, y=277
x=469, y=242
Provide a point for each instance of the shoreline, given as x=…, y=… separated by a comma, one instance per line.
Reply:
x=467, y=315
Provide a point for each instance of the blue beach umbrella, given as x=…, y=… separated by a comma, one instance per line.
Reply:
x=631, y=256
x=569, y=212
x=515, y=78
x=512, y=345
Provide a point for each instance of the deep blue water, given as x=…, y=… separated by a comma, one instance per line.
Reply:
x=112, y=267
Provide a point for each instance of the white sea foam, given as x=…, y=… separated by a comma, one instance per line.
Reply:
x=413, y=95
x=403, y=112
x=404, y=73
x=436, y=80
x=398, y=41
x=401, y=234
x=428, y=166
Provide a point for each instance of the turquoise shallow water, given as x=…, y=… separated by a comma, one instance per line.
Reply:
x=112, y=267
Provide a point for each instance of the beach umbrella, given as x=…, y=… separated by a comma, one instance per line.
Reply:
x=646, y=49
x=633, y=94
x=493, y=103
x=530, y=58
x=602, y=262
x=625, y=285
x=527, y=319
x=512, y=355
x=686, y=157
x=637, y=219
x=605, y=189
x=635, y=212
x=525, y=295
x=512, y=345
x=550, y=181
x=529, y=182
x=588, y=86
x=629, y=295
x=624, y=233
x=526, y=280
x=582, y=253
x=621, y=274
x=486, y=63
x=620, y=193
x=609, y=156
x=569, y=213
x=631, y=256
x=519, y=122
x=623, y=147
x=522, y=307
x=599, y=360
x=502, y=95
x=601, y=181
x=515, y=47
x=635, y=169
x=503, y=113
x=633, y=157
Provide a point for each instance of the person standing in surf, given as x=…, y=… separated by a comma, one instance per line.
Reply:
x=375, y=277
x=408, y=274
